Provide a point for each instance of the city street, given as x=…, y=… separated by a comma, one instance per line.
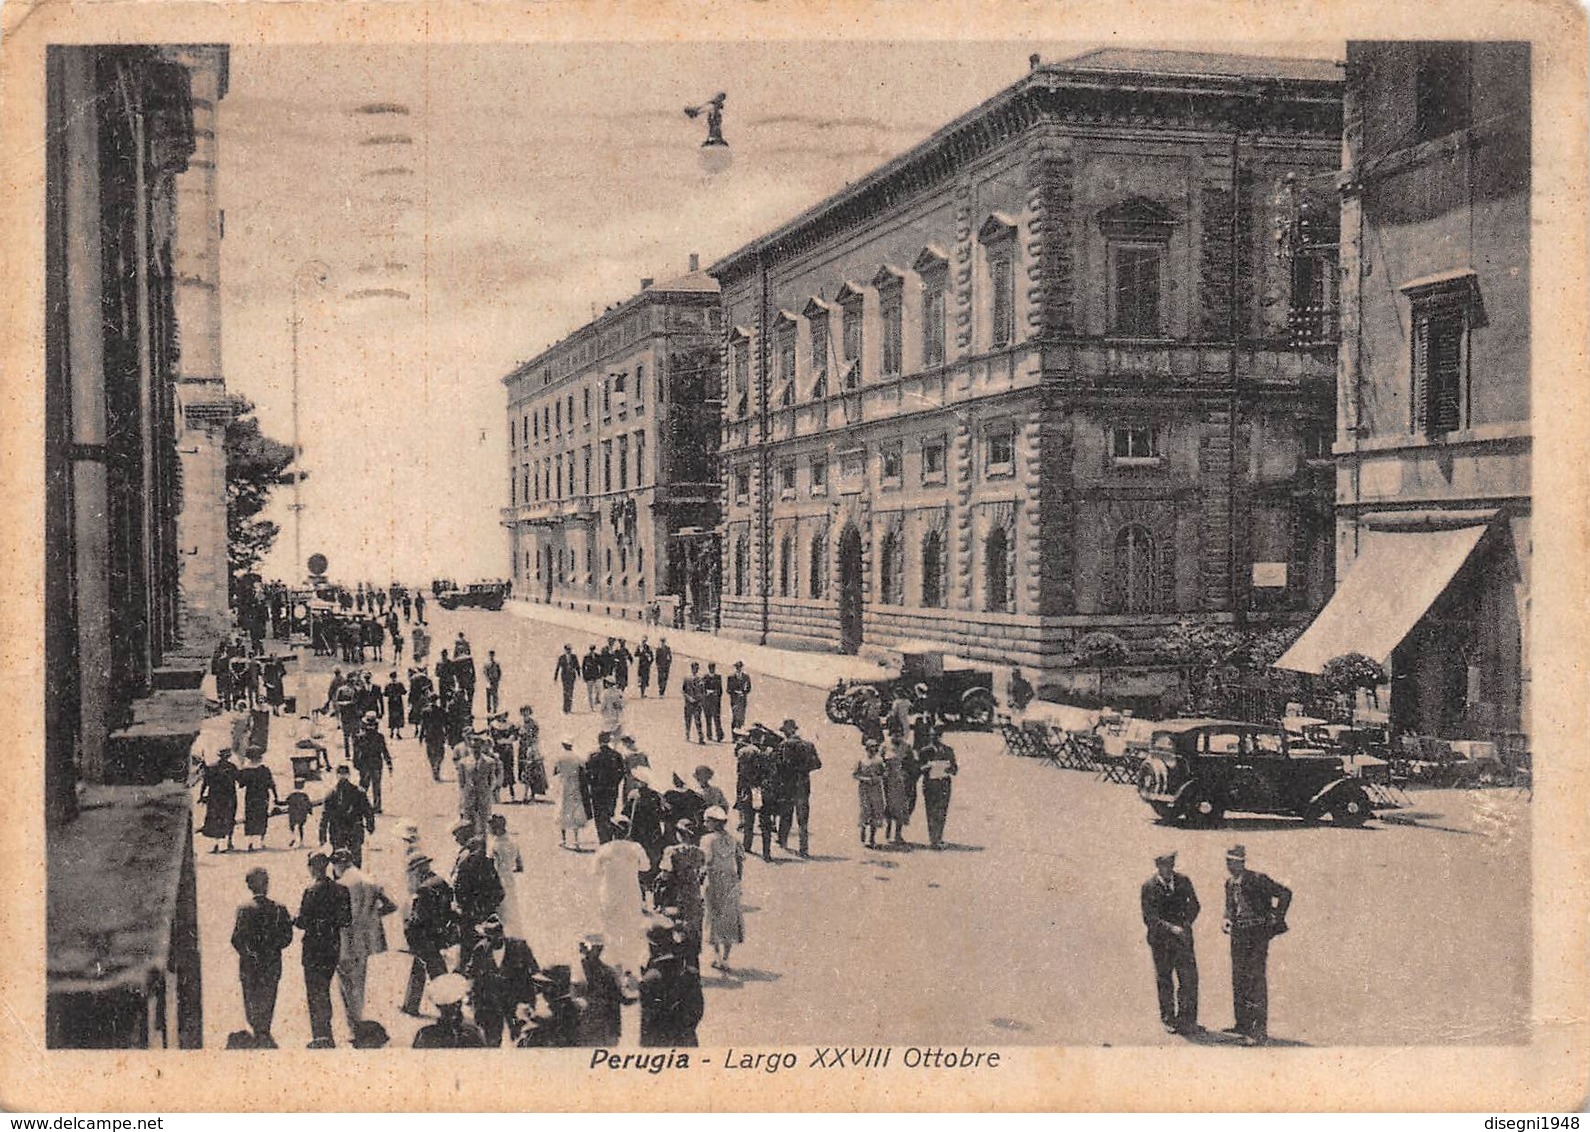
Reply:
x=1025, y=931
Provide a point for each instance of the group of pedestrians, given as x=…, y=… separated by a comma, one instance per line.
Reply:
x=246, y=677
x=606, y=672
x=903, y=749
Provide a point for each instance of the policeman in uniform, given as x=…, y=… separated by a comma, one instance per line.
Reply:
x=1169, y=908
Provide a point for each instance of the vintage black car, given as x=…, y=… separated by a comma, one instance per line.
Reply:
x=1198, y=769
x=959, y=696
x=483, y=595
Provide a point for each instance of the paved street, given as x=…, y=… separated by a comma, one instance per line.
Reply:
x=1025, y=931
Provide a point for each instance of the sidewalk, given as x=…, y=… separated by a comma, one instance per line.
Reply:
x=813, y=669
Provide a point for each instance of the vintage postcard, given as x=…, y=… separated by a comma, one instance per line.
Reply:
x=794, y=556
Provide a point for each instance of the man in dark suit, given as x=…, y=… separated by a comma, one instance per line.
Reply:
x=477, y=892
x=591, y=673
x=500, y=969
x=693, y=690
x=604, y=776
x=665, y=662
x=712, y=702
x=739, y=689
x=603, y=996
x=792, y=769
x=323, y=912
x=347, y=817
x=567, y=672
x=1255, y=914
x=262, y=929
x=432, y=925
x=1169, y=908
x=371, y=757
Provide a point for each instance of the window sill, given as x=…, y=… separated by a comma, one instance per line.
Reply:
x=786, y=493
x=889, y=483
x=999, y=471
x=850, y=489
x=742, y=500
x=1137, y=461
x=819, y=492
x=933, y=478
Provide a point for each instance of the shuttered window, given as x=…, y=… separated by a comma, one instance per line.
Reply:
x=1440, y=339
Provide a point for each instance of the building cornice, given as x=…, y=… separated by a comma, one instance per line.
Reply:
x=1059, y=96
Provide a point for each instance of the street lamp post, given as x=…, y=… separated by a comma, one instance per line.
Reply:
x=317, y=274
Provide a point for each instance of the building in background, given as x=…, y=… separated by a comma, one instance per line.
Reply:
x=1433, y=436
x=135, y=579
x=612, y=448
x=1063, y=366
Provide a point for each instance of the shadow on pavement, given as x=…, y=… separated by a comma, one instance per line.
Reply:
x=736, y=977
x=1205, y=1037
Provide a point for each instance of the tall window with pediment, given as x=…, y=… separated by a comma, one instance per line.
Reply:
x=786, y=565
x=851, y=322
x=740, y=365
x=819, y=566
x=891, y=322
x=998, y=237
x=996, y=571
x=1137, y=235
x=891, y=571
x=786, y=363
x=817, y=320
x=933, y=268
x=933, y=563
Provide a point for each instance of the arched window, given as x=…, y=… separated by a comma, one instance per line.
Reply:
x=742, y=565
x=889, y=571
x=819, y=571
x=1136, y=576
x=996, y=566
x=933, y=570
x=786, y=553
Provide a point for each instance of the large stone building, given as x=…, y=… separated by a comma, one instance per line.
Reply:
x=1433, y=435
x=1062, y=366
x=130, y=520
x=612, y=448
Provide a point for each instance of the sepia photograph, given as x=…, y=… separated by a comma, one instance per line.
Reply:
x=742, y=558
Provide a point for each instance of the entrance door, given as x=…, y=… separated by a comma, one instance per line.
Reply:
x=850, y=591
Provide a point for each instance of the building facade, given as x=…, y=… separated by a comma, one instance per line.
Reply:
x=1433, y=431
x=612, y=442
x=125, y=224
x=1047, y=372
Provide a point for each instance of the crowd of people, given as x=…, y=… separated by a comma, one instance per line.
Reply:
x=667, y=868
x=903, y=749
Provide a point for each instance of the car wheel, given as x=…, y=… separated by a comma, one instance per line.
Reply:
x=1202, y=810
x=977, y=708
x=1352, y=810
x=838, y=706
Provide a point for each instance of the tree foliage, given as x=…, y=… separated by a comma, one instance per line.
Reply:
x=256, y=464
x=1350, y=672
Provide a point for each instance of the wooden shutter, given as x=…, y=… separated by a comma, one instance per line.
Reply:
x=1421, y=368
x=1446, y=371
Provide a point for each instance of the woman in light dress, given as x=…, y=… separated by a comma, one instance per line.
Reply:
x=625, y=916
x=612, y=708
x=725, y=863
x=869, y=793
x=575, y=809
x=506, y=856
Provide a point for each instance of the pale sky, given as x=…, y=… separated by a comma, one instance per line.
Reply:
x=538, y=184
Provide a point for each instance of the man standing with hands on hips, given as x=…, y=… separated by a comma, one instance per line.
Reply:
x=1169, y=908
x=1255, y=913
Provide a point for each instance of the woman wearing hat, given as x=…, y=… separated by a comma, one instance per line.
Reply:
x=723, y=867
x=619, y=865
x=532, y=768
x=574, y=810
x=259, y=792
x=218, y=796
x=869, y=793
